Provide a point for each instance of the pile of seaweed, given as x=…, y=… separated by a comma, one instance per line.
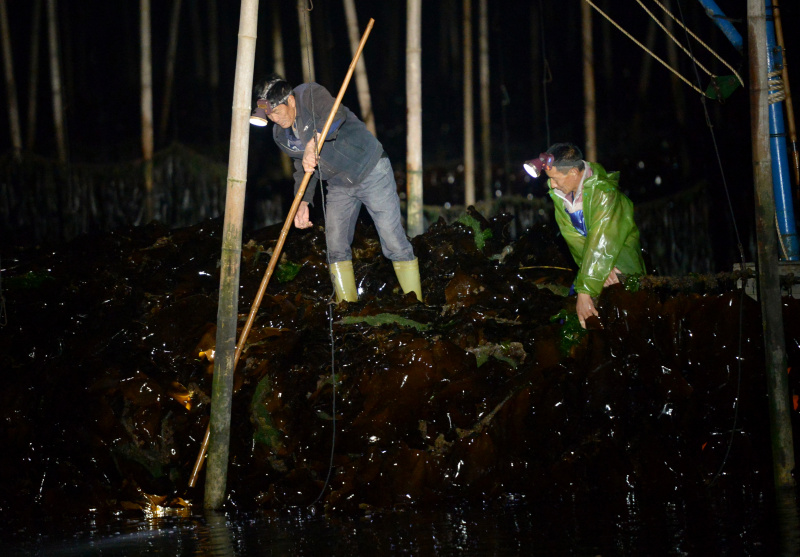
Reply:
x=486, y=388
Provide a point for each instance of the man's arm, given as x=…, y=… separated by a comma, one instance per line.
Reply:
x=606, y=233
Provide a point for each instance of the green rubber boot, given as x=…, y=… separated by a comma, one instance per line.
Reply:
x=344, y=281
x=408, y=276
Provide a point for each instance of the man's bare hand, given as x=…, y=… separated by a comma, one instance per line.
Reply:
x=585, y=308
x=301, y=216
x=310, y=158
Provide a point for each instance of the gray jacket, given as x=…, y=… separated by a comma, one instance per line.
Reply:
x=350, y=151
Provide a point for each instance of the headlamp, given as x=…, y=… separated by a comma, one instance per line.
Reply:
x=535, y=167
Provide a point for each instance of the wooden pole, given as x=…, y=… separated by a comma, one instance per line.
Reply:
x=227, y=311
x=469, y=126
x=486, y=115
x=11, y=84
x=169, y=72
x=306, y=48
x=590, y=113
x=362, y=83
x=147, y=106
x=768, y=275
x=414, y=187
x=227, y=352
x=279, y=67
x=33, y=83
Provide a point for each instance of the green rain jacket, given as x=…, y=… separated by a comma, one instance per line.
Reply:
x=612, y=239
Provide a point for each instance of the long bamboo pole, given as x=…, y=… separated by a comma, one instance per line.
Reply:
x=469, y=126
x=169, y=72
x=57, y=90
x=590, y=113
x=414, y=188
x=306, y=45
x=485, y=100
x=362, y=83
x=146, y=71
x=11, y=85
x=298, y=198
x=33, y=81
x=219, y=426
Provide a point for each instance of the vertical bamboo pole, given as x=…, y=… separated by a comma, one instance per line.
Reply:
x=169, y=72
x=469, y=131
x=33, y=83
x=146, y=106
x=362, y=84
x=11, y=84
x=414, y=187
x=590, y=114
x=278, y=58
x=227, y=312
x=55, y=82
x=279, y=66
x=768, y=275
x=306, y=50
x=486, y=143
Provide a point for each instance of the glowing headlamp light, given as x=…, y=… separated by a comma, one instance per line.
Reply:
x=535, y=167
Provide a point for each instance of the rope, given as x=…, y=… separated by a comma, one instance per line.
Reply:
x=776, y=90
x=647, y=50
x=695, y=37
x=780, y=238
x=656, y=57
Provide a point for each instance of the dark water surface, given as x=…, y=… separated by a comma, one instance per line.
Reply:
x=738, y=524
x=478, y=422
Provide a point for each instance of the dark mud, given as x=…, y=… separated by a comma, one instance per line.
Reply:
x=477, y=394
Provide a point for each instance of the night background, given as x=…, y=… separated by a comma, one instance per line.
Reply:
x=653, y=130
x=484, y=420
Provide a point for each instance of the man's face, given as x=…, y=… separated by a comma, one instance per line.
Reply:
x=283, y=115
x=565, y=182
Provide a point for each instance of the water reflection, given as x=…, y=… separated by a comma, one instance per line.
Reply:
x=597, y=526
x=218, y=540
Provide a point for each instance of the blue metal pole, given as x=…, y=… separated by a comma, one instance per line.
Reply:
x=713, y=11
x=777, y=142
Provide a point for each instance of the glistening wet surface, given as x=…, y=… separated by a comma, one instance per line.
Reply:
x=481, y=411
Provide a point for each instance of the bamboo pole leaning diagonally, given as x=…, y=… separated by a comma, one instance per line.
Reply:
x=281, y=240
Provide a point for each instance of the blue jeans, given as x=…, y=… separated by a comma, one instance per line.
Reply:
x=378, y=193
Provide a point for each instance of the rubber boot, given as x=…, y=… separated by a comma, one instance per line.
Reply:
x=344, y=281
x=408, y=276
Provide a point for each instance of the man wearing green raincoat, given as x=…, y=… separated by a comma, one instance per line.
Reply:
x=596, y=220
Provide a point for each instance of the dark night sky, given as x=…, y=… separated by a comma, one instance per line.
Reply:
x=101, y=68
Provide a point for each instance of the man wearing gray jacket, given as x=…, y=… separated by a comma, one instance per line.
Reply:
x=357, y=171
